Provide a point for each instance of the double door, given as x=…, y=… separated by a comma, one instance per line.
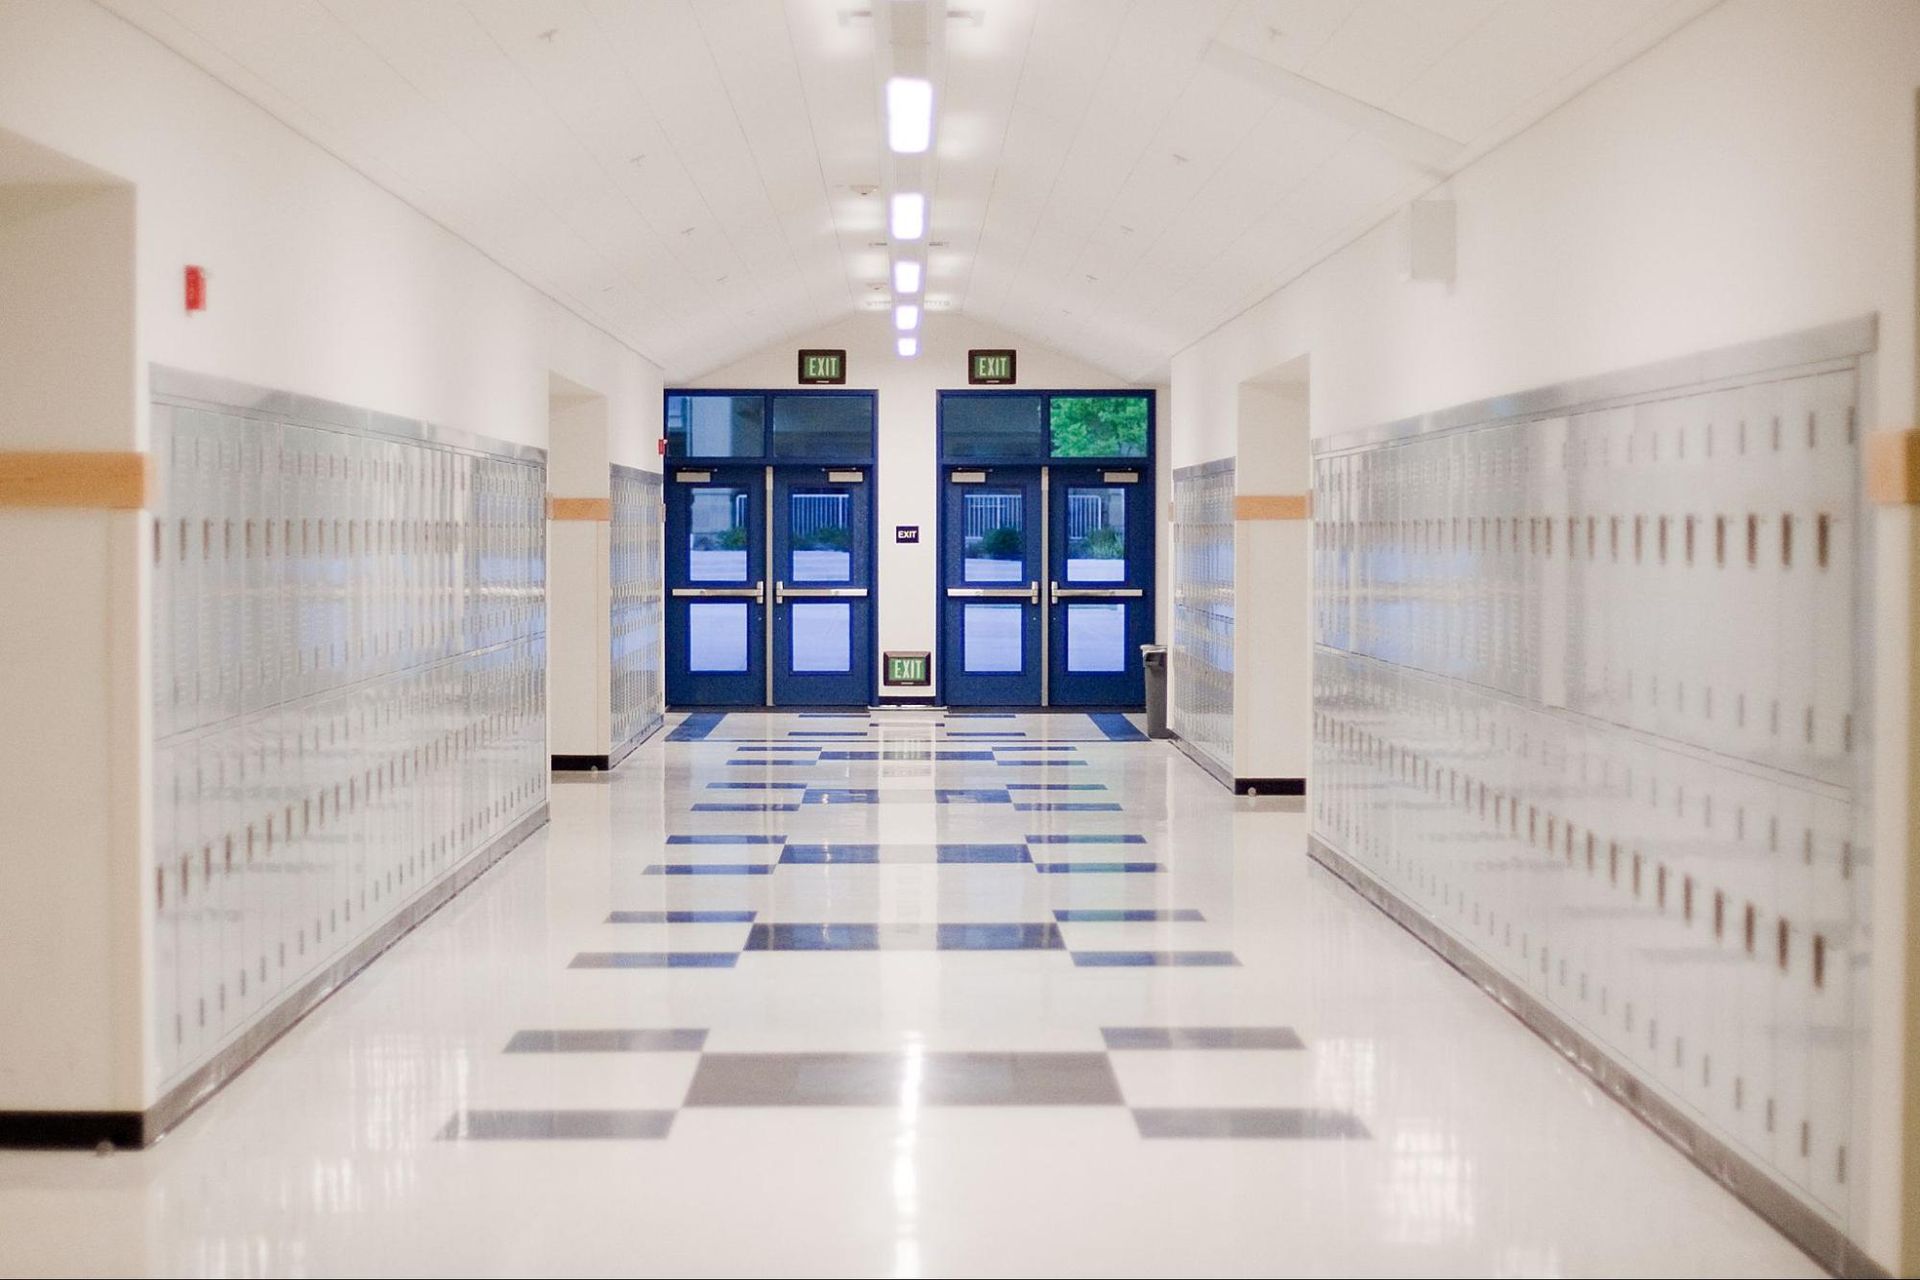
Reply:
x=770, y=586
x=1046, y=585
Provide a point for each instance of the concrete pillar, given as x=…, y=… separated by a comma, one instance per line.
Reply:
x=1273, y=584
x=580, y=513
x=75, y=879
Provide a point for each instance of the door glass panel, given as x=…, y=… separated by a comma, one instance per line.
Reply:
x=820, y=530
x=1096, y=534
x=991, y=638
x=823, y=637
x=717, y=636
x=1096, y=637
x=717, y=535
x=994, y=535
x=716, y=426
x=992, y=426
x=1098, y=426
x=835, y=428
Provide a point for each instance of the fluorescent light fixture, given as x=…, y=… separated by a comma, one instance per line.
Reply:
x=906, y=277
x=907, y=215
x=908, y=346
x=906, y=317
x=909, y=114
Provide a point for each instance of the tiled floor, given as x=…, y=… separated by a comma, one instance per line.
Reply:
x=899, y=994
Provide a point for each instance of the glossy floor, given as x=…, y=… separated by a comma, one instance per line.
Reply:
x=899, y=993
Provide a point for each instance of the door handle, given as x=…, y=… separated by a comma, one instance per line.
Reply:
x=756, y=593
x=783, y=593
x=1056, y=593
x=1029, y=593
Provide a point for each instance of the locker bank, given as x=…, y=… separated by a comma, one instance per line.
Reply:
x=782, y=637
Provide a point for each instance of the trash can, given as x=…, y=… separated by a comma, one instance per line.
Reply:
x=1153, y=657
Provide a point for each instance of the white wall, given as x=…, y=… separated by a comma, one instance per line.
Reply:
x=909, y=478
x=319, y=282
x=1751, y=176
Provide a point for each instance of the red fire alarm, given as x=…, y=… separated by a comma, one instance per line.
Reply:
x=196, y=288
x=663, y=446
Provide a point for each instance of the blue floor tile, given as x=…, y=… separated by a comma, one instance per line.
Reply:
x=1000, y=937
x=971, y=795
x=758, y=786
x=1126, y=915
x=826, y=733
x=985, y=733
x=1042, y=764
x=682, y=917
x=908, y=755
x=825, y=854
x=756, y=760
x=1153, y=959
x=814, y=937
x=1037, y=746
x=1084, y=838
x=655, y=960
x=1041, y=786
x=983, y=853
x=727, y=839
x=712, y=806
x=771, y=746
x=843, y=795
x=1097, y=868
x=1116, y=726
x=1068, y=806
x=709, y=869
x=696, y=726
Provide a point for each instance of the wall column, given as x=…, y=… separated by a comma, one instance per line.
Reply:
x=580, y=513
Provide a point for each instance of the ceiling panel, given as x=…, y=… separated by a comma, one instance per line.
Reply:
x=703, y=178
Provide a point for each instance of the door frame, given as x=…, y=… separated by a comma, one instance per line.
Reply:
x=1045, y=464
x=768, y=465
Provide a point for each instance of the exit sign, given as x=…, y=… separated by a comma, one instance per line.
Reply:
x=823, y=368
x=990, y=368
x=909, y=668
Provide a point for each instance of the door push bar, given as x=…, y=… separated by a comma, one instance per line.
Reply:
x=1056, y=593
x=783, y=593
x=756, y=593
x=1029, y=593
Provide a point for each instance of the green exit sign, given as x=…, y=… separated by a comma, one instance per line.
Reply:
x=819, y=368
x=909, y=668
x=990, y=368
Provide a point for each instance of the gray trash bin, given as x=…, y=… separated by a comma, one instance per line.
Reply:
x=1153, y=657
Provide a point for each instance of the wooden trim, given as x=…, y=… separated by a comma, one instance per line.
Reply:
x=580, y=508
x=95, y=481
x=1892, y=464
x=1273, y=506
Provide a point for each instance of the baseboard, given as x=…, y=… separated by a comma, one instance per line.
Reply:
x=581, y=764
x=1822, y=1241
x=625, y=749
x=1225, y=777
x=143, y=1128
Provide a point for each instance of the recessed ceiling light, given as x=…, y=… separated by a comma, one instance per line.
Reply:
x=906, y=317
x=906, y=277
x=909, y=114
x=907, y=215
x=908, y=346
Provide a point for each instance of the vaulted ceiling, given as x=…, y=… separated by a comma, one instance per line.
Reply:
x=703, y=178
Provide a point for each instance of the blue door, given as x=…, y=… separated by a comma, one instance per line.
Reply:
x=716, y=587
x=1099, y=585
x=991, y=568
x=822, y=587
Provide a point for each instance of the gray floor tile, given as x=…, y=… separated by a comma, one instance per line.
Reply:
x=535, y=1125
x=610, y=1040
x=875, y=1080
x=1246, y=1122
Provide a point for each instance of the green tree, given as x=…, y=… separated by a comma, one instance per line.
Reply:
x=1099, y=426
